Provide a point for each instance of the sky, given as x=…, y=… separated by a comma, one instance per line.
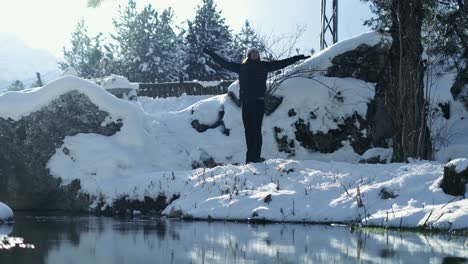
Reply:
x=47, y=24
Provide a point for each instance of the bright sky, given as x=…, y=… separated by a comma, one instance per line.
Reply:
x=47, y=24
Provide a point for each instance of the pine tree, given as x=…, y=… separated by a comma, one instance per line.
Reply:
x=85, y=54
x=208, y=29
x=447, y=40
x=148, y=46
x=127, y=36
x=246, y=39
x=170, y=56
x=16, y=86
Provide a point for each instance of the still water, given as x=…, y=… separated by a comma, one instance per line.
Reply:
x=74, y=239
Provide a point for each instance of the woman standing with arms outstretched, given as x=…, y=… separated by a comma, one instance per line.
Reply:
x=253, y=74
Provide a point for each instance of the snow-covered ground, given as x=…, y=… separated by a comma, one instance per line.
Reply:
x=20, y=62
x=6, y=213
x=157, y=146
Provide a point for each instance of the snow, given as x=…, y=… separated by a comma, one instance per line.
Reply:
x=5, y=213
x=117, y=81
x=322, y=60
x=312, y=191
x=206, y=84
x=459, y=164
x=155, y=149
x=383, y=154
x=20, y=62
x=70, y=71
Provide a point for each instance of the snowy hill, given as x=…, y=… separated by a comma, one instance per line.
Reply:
x=20, y=62
x=142, y=150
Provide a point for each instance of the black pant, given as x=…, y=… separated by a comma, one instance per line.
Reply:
x=252, y=116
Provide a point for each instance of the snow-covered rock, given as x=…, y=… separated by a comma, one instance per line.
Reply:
x=6, y=214
x=117, y=81
x=59, y=120
x=460, y=164
x=455, y=178
x=120, y=87
x=377, y=155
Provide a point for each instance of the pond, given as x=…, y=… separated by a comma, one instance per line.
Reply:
x=89, y=239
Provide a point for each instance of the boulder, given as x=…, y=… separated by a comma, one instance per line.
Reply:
x=6, y=214
x=455, y=177
x=364, y=63
x=28, y=143
x=333, y=140
x=120, y=87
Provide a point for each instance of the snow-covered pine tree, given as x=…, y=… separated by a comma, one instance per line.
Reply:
x=446, y=33
x=127, y=38
x=147, y=45
x=16, y=86
x=208, y=29
x=245, y=39
x=85, y=54
x=146, y=61
x=166, y=49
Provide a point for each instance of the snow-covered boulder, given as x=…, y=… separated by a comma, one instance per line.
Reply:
x=36, y=124
x=377, y=155
x=455, y=177
x=120, y=87
x=6, y=214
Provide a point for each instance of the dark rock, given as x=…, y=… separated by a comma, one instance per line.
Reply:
x=124, y=206
x=28, y=144
x=219, y=123
x=271, y=103
x=267, y=199
x=459, y=89
x=205, y=163
x=365, y=63
x=373, y=160
x=368, y=63
x=454, y=183
x=332, y=140
x=445, y=108
x=285, y=144
x=291, y=112
x=386, y=194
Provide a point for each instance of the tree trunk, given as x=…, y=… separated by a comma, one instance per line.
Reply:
x=411, y=137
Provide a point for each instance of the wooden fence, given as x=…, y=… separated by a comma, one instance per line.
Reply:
x=164, y=90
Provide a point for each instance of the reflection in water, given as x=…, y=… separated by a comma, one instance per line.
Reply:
x=7, y=243
x=105, y=240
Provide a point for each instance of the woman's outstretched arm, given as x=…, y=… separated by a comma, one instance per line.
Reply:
x=229, y=65
x=279, y=64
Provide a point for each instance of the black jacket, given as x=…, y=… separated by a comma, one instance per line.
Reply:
x=253, y=74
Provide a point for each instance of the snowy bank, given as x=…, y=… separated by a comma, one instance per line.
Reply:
x=6, y=214
x=396, y=195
